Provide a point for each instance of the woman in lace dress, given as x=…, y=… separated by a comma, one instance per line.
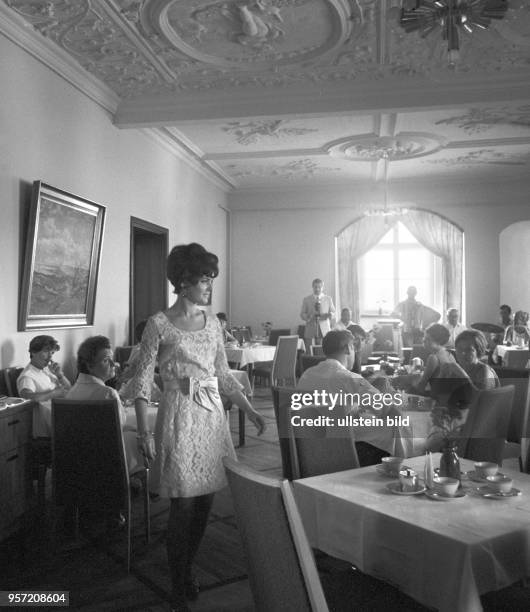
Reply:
x=191, y=435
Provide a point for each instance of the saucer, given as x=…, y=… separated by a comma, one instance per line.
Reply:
x=382, y=472
x=395, y=487
x=490, y=493
x=440, y=497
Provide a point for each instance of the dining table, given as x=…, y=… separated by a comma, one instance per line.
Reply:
x=443, y=552
x=512, y=356
x=243, y=356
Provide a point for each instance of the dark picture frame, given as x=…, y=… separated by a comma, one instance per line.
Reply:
x=61, y=263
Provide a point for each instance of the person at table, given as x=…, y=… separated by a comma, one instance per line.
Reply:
x=334, y=375
x=191, y=434
x=453, y=326
x=42, y=379
x=505, y=315
x=470, y=347
x=410, y=311
x=227, y=336
x=95, y=364
x=345, y=320
x=317, y=312
x=518, y=333
x=440, y=366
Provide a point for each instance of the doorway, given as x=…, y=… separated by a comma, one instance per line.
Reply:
x=148, y=284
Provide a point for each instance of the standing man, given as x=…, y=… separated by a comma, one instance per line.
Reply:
x=410, y=311
x=453, y=326
x=317, y=312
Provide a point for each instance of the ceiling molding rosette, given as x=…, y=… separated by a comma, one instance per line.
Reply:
x=372, y=148
x=249, y=34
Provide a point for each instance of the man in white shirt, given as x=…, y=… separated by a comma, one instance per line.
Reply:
x=345, y=320
x=318, y=313
x=334, y=376
x=453, y=326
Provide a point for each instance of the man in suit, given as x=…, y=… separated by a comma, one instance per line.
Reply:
x=410, y=311
x=318, y=313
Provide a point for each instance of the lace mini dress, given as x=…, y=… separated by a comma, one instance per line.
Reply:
x=191, y=433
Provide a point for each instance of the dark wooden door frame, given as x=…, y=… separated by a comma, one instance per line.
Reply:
x=152, y=228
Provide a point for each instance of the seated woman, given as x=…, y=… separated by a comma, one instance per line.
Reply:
x=518, y=333
x=42, y=379
x=470, y=347
x=440, y=363
x=95, y=364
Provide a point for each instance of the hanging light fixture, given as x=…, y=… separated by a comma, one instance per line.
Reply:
x=450, y=15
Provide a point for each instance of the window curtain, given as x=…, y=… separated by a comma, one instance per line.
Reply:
x=446, y=240
x=435, y=233
x=352, y=243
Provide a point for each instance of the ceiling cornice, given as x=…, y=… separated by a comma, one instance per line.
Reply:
x=16, y=29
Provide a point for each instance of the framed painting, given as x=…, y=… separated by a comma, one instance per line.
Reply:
x=61, y=264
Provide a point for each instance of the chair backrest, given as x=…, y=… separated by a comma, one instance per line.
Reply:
x=319, y=449
x=281, y=400
x=284, y=364
x=89, y=467
x=520, y=379
x=308, y=361
x=122, y=354
x=276, y=333
x=10, y=380
x=282, y=571
x=486, y=426
x=488, y=328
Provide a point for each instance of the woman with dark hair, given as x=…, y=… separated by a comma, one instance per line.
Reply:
x=191, y=435
x=470, y=346
x=518, y=333
x=42, y=379
x=439, y=364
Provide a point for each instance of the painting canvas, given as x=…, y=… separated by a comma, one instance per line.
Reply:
x=61, y=260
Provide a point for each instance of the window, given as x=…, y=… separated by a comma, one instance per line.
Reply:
x=395, y=263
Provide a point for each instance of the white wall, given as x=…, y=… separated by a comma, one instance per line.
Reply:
x=50, y=131
x=515, y=265
x=281, y=241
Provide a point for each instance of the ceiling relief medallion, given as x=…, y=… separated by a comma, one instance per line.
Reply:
x=247, y=34
x=483, y=157
x=477, y=120
x=253, y=131
x=371, y=148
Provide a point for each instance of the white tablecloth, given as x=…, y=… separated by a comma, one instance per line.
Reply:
x=244, y=356
x=512, y=356
x=441, y=553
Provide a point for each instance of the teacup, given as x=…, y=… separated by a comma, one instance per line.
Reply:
x=392, y=465
x=483, y=469
x=500, y=483
x=446, y=486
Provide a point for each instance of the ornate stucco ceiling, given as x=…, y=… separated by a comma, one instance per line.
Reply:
x=298, y=92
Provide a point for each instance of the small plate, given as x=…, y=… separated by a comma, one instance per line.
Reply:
x=490, y=493
x=395, y=487
x=382, y=472
x=439, y=497
x=13, y=401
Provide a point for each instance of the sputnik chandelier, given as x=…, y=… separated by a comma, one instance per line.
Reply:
x=450, y=15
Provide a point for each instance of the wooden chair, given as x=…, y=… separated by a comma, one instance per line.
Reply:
x=89, y=468
x=320, y=450
x=10, y=380
x=486, y=427
x=281, y=401
x=282, y=570
x=283, y=369
x=517, y=439
x=276, y=333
